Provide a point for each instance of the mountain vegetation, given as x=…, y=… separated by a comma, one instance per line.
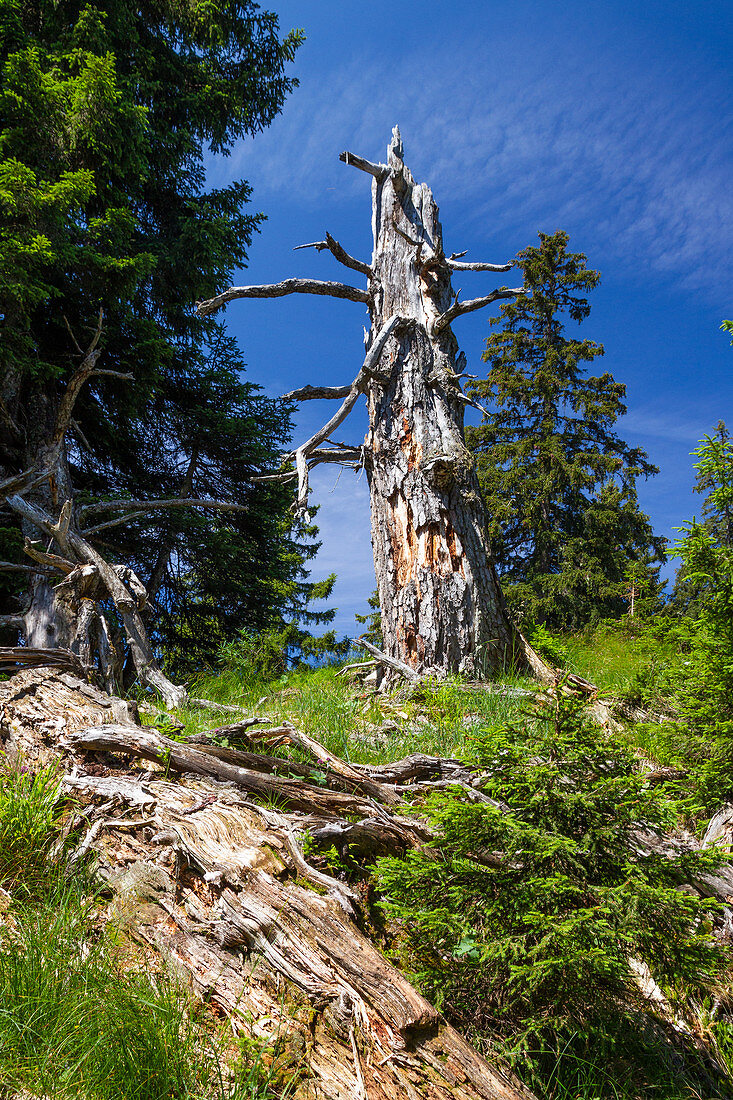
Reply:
x=487, y=855
x=107, y=113
x=567, y=535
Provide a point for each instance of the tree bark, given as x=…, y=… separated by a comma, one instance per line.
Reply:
x=440, y=599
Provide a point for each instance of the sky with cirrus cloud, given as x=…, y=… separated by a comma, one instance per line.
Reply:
x=606, y=118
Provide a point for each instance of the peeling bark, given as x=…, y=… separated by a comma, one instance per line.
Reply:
x=442, y=608
x=439, y=596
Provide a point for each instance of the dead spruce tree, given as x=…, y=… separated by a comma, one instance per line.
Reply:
x=440, y=600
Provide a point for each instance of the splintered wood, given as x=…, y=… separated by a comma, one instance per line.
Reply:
x=219, y=885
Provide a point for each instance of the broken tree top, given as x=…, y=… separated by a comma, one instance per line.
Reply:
x=439, y=597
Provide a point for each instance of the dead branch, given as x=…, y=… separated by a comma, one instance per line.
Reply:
x=17, y=567
x=13, y=658
x=458, y=265
x=127, y=604
x=52, y=561
x=22, y=483
x=279, y=290
x=357, y=387
x=164, y=503
x=346, y=456
x=391, y=662
x=379, y=171
x=83, y=372
x=317, y=393
x=178, y=757
x=340, y=253
x=356, y=779
x=459, y=308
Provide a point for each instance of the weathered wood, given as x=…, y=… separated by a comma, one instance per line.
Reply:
x=284, y=961
x=339, y=253
x=318, y=393
x=179, y=757
x=279, y=290
x=13, y=658
x=439, y=596
x=122, y=586
x=460, y=265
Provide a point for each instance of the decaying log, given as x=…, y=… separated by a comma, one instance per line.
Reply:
x=13, y=658
x=259, y=933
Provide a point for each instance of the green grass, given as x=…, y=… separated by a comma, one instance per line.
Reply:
x=613, y=657
x=75, y=1023
x=29, y=815
x=355, y=724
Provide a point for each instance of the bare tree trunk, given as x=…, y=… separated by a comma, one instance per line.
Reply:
x=440, y=601
x=439, y=596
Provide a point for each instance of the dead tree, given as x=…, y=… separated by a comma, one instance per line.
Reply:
x=440, y=600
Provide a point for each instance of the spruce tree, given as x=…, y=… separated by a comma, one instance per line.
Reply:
x=108, y=111
x=714, y=479
x=559, y=483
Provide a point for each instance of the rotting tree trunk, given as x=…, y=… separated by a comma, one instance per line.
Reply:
x=440, y=600
x=219, y=885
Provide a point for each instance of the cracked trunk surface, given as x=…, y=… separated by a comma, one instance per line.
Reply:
x=440, y=599
x=214, y=882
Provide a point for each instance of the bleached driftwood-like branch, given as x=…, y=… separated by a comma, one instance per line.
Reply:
x=459, y=308
x=459, y=265
x=339, y=252
x=342, y=455
x=379, y=171
x=126, y=603
x=279, y=290
x=317, y=393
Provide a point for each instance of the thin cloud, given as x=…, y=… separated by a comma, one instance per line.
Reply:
x=641, y=163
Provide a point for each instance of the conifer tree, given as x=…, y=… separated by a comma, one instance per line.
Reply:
x=559, y=483
x=107, y=112
x=714, y=479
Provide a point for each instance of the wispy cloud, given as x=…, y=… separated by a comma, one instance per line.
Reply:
x=676, y=425
x=639, y=163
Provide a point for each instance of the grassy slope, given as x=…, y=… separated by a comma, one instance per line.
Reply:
x=352, y=723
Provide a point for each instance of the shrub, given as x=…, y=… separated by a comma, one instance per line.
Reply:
x=522, y=919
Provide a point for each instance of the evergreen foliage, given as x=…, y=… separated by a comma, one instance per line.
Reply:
x=559, y=483
x=522, y=918
x=107, y=113
x=372, y=620
x=715, y=478
x=703, y=682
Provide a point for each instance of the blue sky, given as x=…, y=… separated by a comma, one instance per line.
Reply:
x=610, y=120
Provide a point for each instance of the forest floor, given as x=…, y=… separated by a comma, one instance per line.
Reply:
x=444, y=719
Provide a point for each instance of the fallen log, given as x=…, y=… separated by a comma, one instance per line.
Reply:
x=221, y=887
